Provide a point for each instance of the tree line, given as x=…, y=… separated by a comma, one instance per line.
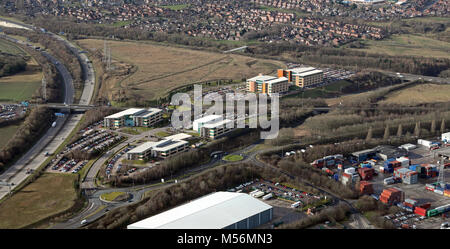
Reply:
x=36, y=123
x=349, y=58
x=11, y=64
x=59, y=50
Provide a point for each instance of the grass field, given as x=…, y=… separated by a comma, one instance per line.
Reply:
x=233, y=158
x=334, y=88
x=48, y=195
x=160, y=69
x=7, y=47
x=6, y=133
x=409, y=44
x=112, y=195
x=427, y=93
x=135, y=130
x=176, y=7
x=23, y=85
x=162, y=134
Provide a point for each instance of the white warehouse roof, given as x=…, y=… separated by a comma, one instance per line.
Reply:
x=213, y=211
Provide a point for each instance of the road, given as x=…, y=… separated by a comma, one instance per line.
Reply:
x=412, y=77
x=55, y=136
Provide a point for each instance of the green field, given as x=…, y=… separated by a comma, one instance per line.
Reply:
x=135, y=130
x=23, y=85
x=176, y=7
x=111, y=196
x=423, y=94
x=409, y=44
x=50, y=194
x=7, y=47
x=323, y=91
x=233, y=158
x=162, y=134
x=18, y=91
x=6, y=133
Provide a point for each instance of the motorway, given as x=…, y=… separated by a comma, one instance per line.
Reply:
x=55, y=136
x=413, y=77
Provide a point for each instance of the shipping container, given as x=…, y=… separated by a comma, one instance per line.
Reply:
x=296, y=205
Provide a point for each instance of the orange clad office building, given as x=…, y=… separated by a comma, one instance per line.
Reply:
x=302, y=76
x=267, y=84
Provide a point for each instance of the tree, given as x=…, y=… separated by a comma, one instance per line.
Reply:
x=433, y=127
x=386, y=133
x=369, y=134
x=399, y=130
x=417, y=129
x=443, y=126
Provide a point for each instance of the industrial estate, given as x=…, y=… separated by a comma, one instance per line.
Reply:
x=87, y=134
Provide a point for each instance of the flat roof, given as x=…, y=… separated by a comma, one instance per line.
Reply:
x=165, y=145
x=207, y=118
x=214, y=211
x=364, y=152
x=179, y=136
x=262, y=78
x=278, y=80
x=298, y=70
x=310, y=73
x=130, y=111
x=142, y=148
x=149, y=112
x=217, y=124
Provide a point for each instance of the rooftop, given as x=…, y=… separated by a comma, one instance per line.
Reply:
x=167, y=144
x=179, y=136
x=278, y=80
x=218, y=123
x=262, y=78
x=149, y=112
x=213, y=211
x=131, y=111
x=298, y=70
x=142, y=148
x=310, y=73
x=208, y=118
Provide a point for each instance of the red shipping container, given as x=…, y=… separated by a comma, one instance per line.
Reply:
x=408, y=204
x=420, y=211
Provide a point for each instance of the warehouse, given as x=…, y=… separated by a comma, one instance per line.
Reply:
x=133, y=117
x=387, y=151
x=364, y=155
x=219, y=210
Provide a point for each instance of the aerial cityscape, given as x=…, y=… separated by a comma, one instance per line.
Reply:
x=218, y=114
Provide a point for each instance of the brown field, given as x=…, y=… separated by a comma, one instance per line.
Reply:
x=48, y=195
x=159, y=68
x=427, y=93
